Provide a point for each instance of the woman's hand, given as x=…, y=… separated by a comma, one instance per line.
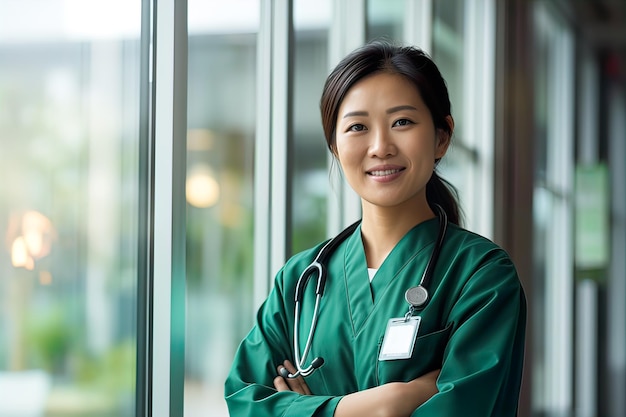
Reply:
x=395, y=399
x=290, y=384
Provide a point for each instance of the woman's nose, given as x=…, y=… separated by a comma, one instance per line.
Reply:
x=382, y=145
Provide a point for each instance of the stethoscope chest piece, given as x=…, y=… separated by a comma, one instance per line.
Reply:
x=416, y=296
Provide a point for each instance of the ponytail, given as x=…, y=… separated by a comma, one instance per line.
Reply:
x=441, y=192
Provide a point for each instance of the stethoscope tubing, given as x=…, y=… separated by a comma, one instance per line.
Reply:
x=318, y=267
x=296, y=348
x=430, y=267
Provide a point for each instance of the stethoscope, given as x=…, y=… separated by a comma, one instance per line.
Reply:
x=417, y=297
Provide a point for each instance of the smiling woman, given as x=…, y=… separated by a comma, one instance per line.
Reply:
x=386, y=117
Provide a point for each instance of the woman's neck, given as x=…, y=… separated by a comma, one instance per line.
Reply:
x=383, y=227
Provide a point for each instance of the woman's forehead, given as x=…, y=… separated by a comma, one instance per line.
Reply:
x=380, y=90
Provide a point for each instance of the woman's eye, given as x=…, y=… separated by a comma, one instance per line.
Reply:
x=356, y=128
x=402, y=122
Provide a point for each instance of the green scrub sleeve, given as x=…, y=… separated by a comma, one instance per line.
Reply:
x=249, y=388
x=482, y=363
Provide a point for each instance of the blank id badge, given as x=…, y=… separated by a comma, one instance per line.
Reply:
x=399, y=338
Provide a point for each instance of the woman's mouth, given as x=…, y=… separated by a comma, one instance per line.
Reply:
x=384, y=172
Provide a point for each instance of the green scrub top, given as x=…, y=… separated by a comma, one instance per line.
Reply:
x=472, y=329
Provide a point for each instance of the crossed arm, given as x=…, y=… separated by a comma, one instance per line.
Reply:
x=395, y=399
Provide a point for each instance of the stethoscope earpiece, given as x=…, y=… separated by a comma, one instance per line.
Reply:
x=285, y=373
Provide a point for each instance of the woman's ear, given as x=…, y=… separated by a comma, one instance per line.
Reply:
x=444, y=139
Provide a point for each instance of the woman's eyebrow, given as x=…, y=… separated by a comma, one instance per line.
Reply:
x=355, y=113
x=400, y=108
x=389, y=111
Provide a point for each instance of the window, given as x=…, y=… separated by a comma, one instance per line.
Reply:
x=221, y=124
x=69, y=132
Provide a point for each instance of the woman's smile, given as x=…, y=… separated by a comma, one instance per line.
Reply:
x=385, y=173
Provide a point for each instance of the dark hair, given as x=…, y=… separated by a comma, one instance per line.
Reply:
x=417, y=67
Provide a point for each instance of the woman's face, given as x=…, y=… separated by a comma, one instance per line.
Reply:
x=386, y=141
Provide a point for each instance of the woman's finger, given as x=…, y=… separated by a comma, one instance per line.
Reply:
x=296, y=384
x=292, y=384
x=280, y=384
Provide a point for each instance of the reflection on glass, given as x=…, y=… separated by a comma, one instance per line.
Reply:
x=220, y=155
x=311, y=183
x=69, y=116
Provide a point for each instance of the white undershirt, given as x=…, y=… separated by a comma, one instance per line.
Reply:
x=371, y=272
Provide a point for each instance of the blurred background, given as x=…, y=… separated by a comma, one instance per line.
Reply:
x=98, y=192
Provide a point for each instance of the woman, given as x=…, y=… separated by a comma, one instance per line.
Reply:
x=387, y=120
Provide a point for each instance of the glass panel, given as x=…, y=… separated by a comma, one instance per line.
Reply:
x=220, y=156
x=543, y=205
x=69, y=123
x=385, y=19
x=311, y=182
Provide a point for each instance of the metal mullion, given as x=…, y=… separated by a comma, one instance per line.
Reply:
x=472, y=84
x=559, y=268
x=587, y=291
x=170, y=126
x=615, y=309
x=145, y=255
x=486, y=129
x=282, y=72
x=479, y=130
x=262, y=157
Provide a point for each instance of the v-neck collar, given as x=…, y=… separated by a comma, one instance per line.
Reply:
x=363, y=295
